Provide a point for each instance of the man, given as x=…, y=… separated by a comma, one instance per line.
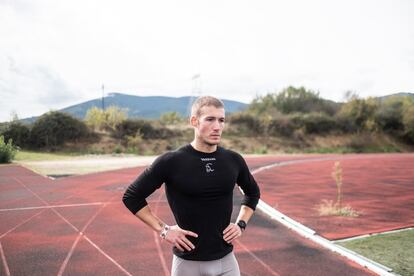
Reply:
x=199, y=182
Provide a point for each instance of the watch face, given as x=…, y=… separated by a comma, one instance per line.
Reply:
x=242, y=224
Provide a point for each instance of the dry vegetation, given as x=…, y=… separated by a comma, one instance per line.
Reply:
x=330, y=208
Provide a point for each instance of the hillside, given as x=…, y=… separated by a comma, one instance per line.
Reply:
x=147, y=107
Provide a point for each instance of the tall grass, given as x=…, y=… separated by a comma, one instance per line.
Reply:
x=330, y=208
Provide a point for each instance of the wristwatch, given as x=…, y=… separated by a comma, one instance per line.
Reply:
x=242, y=224
x=164, y=231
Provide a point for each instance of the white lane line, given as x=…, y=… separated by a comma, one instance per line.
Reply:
x=76, y=229
x=107, y=256
x=20, y=224
x=311, y=234
x=29, y=219
x=65, y=262
x=272, y=272
x=52, y=206
x=157, y=242
x=47, y=204
x=3, y=258
x=75, y=243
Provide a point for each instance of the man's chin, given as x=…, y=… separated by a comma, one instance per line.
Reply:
x=213, y=142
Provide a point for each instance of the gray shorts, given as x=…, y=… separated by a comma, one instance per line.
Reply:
x=226, y=266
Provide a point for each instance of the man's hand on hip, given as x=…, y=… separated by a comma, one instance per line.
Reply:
x=231, y=233
x=177, y=237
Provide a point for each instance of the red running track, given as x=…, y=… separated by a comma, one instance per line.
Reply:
x=379, y=186
x=79, y=226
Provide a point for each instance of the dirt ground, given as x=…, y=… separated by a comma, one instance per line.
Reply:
x=87, y=164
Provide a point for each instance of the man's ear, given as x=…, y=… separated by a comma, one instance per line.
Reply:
x=193, y=121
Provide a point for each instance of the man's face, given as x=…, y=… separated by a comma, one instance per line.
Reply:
x=209, y=125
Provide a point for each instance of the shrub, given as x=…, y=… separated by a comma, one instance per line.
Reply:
x=312, y=123
x=132, y=127
x=283, y=126
x=7, y=150
x=99, y=119
x=292, y=100
x=18, y=132
x=247, y=124
x=359, y=113
x=318, y=123
x=408, y=120
x=389, y=114
x=55, y=128
x=95, y=118
x=345, y=124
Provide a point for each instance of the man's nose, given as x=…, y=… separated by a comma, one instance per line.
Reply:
x=217, y=125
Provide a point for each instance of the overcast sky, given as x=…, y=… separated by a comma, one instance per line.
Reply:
x=57, y=53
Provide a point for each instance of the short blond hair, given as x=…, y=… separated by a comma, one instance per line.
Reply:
x=205, y=101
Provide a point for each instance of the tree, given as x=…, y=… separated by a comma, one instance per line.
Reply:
x=55, y=128
x=99, y=119
x=114, y=115
x=359, y=113
x=291, y=100
x=95, y=118
x=18, y=132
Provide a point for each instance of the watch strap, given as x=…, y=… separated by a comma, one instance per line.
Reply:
x=242, y=224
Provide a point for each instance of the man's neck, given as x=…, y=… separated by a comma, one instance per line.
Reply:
x=203, y=147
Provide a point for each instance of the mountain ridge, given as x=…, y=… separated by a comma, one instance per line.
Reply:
x=151, y=107
x=145, y=107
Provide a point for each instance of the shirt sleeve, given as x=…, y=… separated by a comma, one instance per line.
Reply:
x=146, y=183
x=248, y=184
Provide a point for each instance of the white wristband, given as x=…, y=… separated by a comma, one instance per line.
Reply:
x=164, y=231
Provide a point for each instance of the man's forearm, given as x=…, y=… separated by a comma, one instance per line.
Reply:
x=150, y=219
x=245, y=213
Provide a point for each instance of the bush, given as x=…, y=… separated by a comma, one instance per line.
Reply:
x=312, y=123
x=55, y=128
x=282, y=126
x=389, y=115
x=360, y=113
x=408, y=120
x=99, y=119
x=247, y=124
x=7, y=151
x=292, y=100
x=318, y=123
x=144, y=128
x=18, y=132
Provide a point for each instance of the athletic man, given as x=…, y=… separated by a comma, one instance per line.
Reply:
x=199, y=181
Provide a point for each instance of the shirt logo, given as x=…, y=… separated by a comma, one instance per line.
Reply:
x=208, y=167
x=208, y=159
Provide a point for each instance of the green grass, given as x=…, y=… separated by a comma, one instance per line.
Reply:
x=395, y=250
x=23, y=155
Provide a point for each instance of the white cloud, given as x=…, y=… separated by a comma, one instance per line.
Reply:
x=57, y=53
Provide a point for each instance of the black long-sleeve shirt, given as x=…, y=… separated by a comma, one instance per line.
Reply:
x=199, y=188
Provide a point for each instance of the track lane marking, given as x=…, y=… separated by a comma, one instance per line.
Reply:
x=75, y=228
x=80, y=234
x=157, y=241
x=3, y=258
x=54, y=206
x=272, y=272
